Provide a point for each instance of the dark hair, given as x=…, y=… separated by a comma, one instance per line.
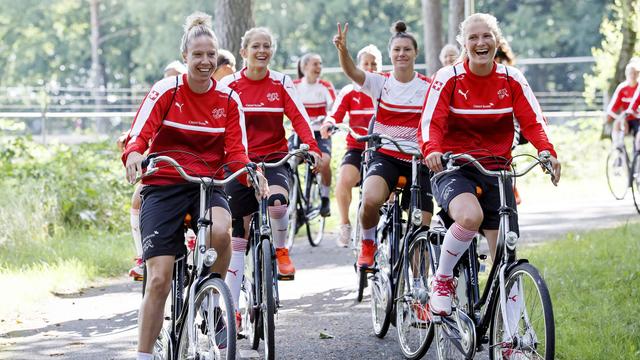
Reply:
x=399, y=31
x=226, y=58
x=303, y=62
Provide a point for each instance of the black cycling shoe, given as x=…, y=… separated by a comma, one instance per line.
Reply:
x=325, y=208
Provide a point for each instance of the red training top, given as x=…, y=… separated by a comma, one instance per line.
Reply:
x=209, y=125
x=358, y=105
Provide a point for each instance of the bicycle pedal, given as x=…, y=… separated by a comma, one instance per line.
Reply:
x=369, y=270
x=286, y=277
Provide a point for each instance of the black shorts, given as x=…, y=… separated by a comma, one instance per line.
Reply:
x=242, y=199
x=390, y=169
x=465, y=180
x=162, y=216
x=323, y=144
x=352, y=157
x=634, y=125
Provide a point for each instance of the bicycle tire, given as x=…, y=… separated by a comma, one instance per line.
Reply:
x=312, y=202
x=292, y=212
x=635, y=181
x=362, y=283
x=381, y=290
x=251, y=325
x=535, y=332
x=413, y=319
x=163, y=348
x=268, y=301
x=617, y=172
x=214, y=322
x=454, y=341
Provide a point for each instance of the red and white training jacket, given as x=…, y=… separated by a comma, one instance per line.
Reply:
x=317, y=99
x=464, y=112
x=359, y=106
x=621, y=100
x=634, y=101
x=265, y=103
x=398, y=109
x=210, y=125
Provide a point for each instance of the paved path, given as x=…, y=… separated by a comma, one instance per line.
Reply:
x=100, y=323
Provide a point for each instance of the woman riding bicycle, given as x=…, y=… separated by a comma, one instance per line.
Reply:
x=200, y=123
x=470, y=108
x=625, y=98
x=398, y=98
x=267, y=97
x=317, y=96
x=359, y=106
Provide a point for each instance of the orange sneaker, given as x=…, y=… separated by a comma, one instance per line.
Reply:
x=286, y=270
x=367, y=252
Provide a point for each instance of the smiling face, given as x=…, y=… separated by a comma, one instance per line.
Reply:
x=403, y=54
x=201, y=57
x=258, y=52
x=368, y=63
x=313, y=68
x=480, y=43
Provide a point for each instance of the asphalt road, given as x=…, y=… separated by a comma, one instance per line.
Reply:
x=100, y=322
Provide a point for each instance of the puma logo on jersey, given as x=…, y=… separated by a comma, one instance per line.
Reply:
x=502, y=93
x=179, y=105
x=357, y=100
x=217, y=113
x=463, y=93
x=273, y=96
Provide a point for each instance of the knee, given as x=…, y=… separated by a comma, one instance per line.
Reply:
x=277, y=200
x=370, y=203
x=158, y=284
x=470, y=219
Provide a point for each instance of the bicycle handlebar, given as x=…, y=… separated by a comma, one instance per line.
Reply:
x=153, y=160
x=303, y=150
x=377, y=138
x=334, y=128
x=450, y=159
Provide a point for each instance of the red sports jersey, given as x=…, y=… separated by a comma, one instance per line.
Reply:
x=317, y=99
x=398, y=108
x=634, y=100
x=265, y=103
x=209, y=125
x=464, y=112
x=358, y=105
x=621, y=100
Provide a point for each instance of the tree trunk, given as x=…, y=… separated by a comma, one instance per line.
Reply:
x=456, y=16
x=232, y=19
x=97, y=78
x=432, y=20
x=629, y=13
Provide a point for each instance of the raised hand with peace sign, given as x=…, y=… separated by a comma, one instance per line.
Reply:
x=347, y=64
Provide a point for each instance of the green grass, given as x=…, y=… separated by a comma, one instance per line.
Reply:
x=594, y=281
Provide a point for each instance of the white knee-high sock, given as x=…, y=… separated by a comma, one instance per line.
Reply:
x=324, y=190
x=279, y=224
x=456, y=242
x=134, y=220
x=617, y=138
x=236, y=268
x=144, y=356
x=369, y=234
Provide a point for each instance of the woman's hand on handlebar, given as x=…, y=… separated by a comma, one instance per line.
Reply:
x=434, y=161
x=262, y=190
x=325, y=129
x=134, y=166
x=556, y=166
x=317, y=161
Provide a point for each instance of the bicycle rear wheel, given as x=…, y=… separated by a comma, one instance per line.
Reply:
x=293, y=213
x=618, y=172
x=529, y=331
x=381, y=290
x=413, y=319
x=268, y=301
x=314, y=221
x=214, y=325
x=635, y=181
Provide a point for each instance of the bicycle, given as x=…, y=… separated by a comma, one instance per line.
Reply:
x=399, y=277
x=259, y=297
x=515, y=306
x=355, y=238
x=201, y=326
x=623, y=172
x=304, y=201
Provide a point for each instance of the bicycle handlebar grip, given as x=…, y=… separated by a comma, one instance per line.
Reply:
x=147, y=160
x=304, y=147
x=366, y=137
x=446, y=157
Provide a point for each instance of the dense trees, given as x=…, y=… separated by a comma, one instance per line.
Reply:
x=50, y=41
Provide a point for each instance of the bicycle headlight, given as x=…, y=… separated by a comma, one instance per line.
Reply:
x=416, y=217
x=511, y=240
x=210, y=257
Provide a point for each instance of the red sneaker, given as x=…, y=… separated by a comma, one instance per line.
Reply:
x=367, y=252
x=286, y=270
x=137, y=271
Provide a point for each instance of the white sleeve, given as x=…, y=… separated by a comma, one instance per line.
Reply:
x=373, y=84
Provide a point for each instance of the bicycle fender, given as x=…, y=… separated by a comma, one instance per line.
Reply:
x=203, y=279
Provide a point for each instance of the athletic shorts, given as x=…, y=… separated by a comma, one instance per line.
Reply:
x=390, y=169
x=469, y=180
x=242, y=199
x=323, y=144
x=352, y=157
x=634, y=125
x=162, y=214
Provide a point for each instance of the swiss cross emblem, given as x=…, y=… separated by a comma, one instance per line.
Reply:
x=217, y=113
x=273, y=96
x=437, y=85
x=502, y=93
x=153, y=95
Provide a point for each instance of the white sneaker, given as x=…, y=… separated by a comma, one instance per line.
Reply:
x=440, y=296
x=344, y=237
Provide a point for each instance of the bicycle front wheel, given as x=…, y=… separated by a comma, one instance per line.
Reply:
x=413, y=318
x=618, y=172
x=635, y=181
x=293, y=213
x=528, y=331
x=268, y=302
x=314, y=220
x=213, y=330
